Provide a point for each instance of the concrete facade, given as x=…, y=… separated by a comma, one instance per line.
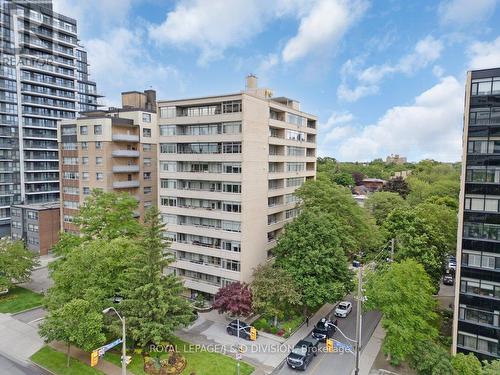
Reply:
x=114, y=150
x=228, y=168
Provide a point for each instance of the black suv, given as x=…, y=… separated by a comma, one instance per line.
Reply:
x=323, y=330
x=302, y=354
x=232, y=329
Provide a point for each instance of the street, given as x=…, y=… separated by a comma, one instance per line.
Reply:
x=342, y=363
x=13, y=367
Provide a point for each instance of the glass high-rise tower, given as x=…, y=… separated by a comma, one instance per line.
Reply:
x=43, y=78
x=476, y=325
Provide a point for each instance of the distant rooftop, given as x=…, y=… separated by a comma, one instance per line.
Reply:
x=39, y=206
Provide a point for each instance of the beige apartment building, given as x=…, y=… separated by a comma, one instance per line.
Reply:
x=113, y=150
x=228, y=169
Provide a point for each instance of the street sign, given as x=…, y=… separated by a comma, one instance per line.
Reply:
x=253, y=334
x=342, y=346
x=329, y=345
x=94, y=358
x=105, y=348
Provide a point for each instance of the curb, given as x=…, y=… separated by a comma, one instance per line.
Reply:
x=41, y=367
x=27, y=310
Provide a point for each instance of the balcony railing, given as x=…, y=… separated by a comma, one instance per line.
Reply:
x=125, y=138
x=125, y=153
x=126, y=168
x=126, y=184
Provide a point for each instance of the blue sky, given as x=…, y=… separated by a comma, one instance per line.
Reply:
x=383, y=76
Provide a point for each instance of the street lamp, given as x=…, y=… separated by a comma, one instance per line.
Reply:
x=124, y=348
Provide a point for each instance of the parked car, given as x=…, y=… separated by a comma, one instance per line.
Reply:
x=232, y=329
x=302, y=354
x=448, y=279
x=452, y=263
x=343, y=309
x=323, y=330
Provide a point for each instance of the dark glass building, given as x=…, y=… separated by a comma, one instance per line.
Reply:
x=477, y=301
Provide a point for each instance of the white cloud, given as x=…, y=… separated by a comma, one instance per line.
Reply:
x=484, y=55
x=463, y=12
x=425, y=52
x=267, y=63
x=325, y=25
x=430, y=127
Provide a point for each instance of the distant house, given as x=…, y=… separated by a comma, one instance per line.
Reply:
x=402, y=174
x=373, y=184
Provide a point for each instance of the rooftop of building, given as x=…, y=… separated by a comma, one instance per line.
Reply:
x=39, y=206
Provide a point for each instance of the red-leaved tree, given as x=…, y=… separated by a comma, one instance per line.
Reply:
x=234, y=298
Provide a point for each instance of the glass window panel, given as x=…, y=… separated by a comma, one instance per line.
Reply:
x=477, y=204
x=491, y=205
x=484, y=88
x=496, y=88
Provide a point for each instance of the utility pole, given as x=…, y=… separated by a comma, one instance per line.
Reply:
x=392, y=249
x=358, y=317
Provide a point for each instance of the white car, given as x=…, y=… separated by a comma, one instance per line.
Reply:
x=343, y=309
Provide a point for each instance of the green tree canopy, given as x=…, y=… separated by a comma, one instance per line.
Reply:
x=397, y=185
x=274, y=292
x=356, y=228
x=107, y=215
x=404, y=296
x=312, y=251
x=75, y=323
x=382, y=203
x=16, y=263
x=417, y=239
x=443, y=220
x=466, y=364
x=152, y=300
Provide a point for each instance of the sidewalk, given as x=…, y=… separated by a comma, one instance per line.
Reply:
x=103, y=365
x=370, y=352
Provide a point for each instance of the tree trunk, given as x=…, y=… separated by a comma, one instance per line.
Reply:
x=276, y=320
x=67, y=355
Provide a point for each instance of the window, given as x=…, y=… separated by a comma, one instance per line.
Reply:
x=274, y=201
x=32, y=228
x=147, y=176
x=148, y=189
x=296, y=151
x=295, y=167
x=485, y=86
x=70, y=161
x=231, y=246
x=231, y=107
x=294, y=212
x=146, y=117
x=71, y=204
x=146, y=133
x=231, y=188
x=68, y=218
x=68, y=130
x=97, y=129
x=478, y=259
x=71, y=190
x=483, y=231
x=168, y=201
x=167, y=112
x=231, y=226
x=167, y=130
x=168, y=184
x=84, y=130
x=480, y=288
x=296, y=120
x=85, y=176
x=70, y=146
x=99, y=176
x=168, y=148
x=168, y=166
x=146, y=147
x=70, y=175
x=86, y=191
x=85, y=145
x=232, y=168
x=33, y=215
x=98, y=160
x=477, y=343
x=295, y=136
x=85, y=160
x=291, y=198
x=231, y=127
x=295, y=181
x=231, y=206
x=231, y=148
x=147, y=162
x=98, y=145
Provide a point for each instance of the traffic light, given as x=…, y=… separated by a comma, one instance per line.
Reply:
x=128, y=359
x=253, y=334
x=329, y=345
x=94, y=358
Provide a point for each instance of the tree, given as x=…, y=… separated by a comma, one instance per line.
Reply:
x=466, y=364
x=382, y=203
x=274, y=292
x=417, y=239
x=107, y=215
x=491, y=368
x=431, y=358
x=404, y=295
x=152, y=300
x=358, y=178
x=343, y=179
x=16, y=263
x=443, y=220
x=93, y=273
x=75, y=323
x=359, y=231
x=234, y=298
x=312, y=251
x=397, y=185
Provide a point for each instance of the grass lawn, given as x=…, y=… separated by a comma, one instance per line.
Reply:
x=19, y=299
x=56, y=362
x=199, y=362
x=286, y=327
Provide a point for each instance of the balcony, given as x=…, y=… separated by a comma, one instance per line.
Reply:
x=126, y=184
x=125, y=138
x=126, y=169
x=125, y=153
